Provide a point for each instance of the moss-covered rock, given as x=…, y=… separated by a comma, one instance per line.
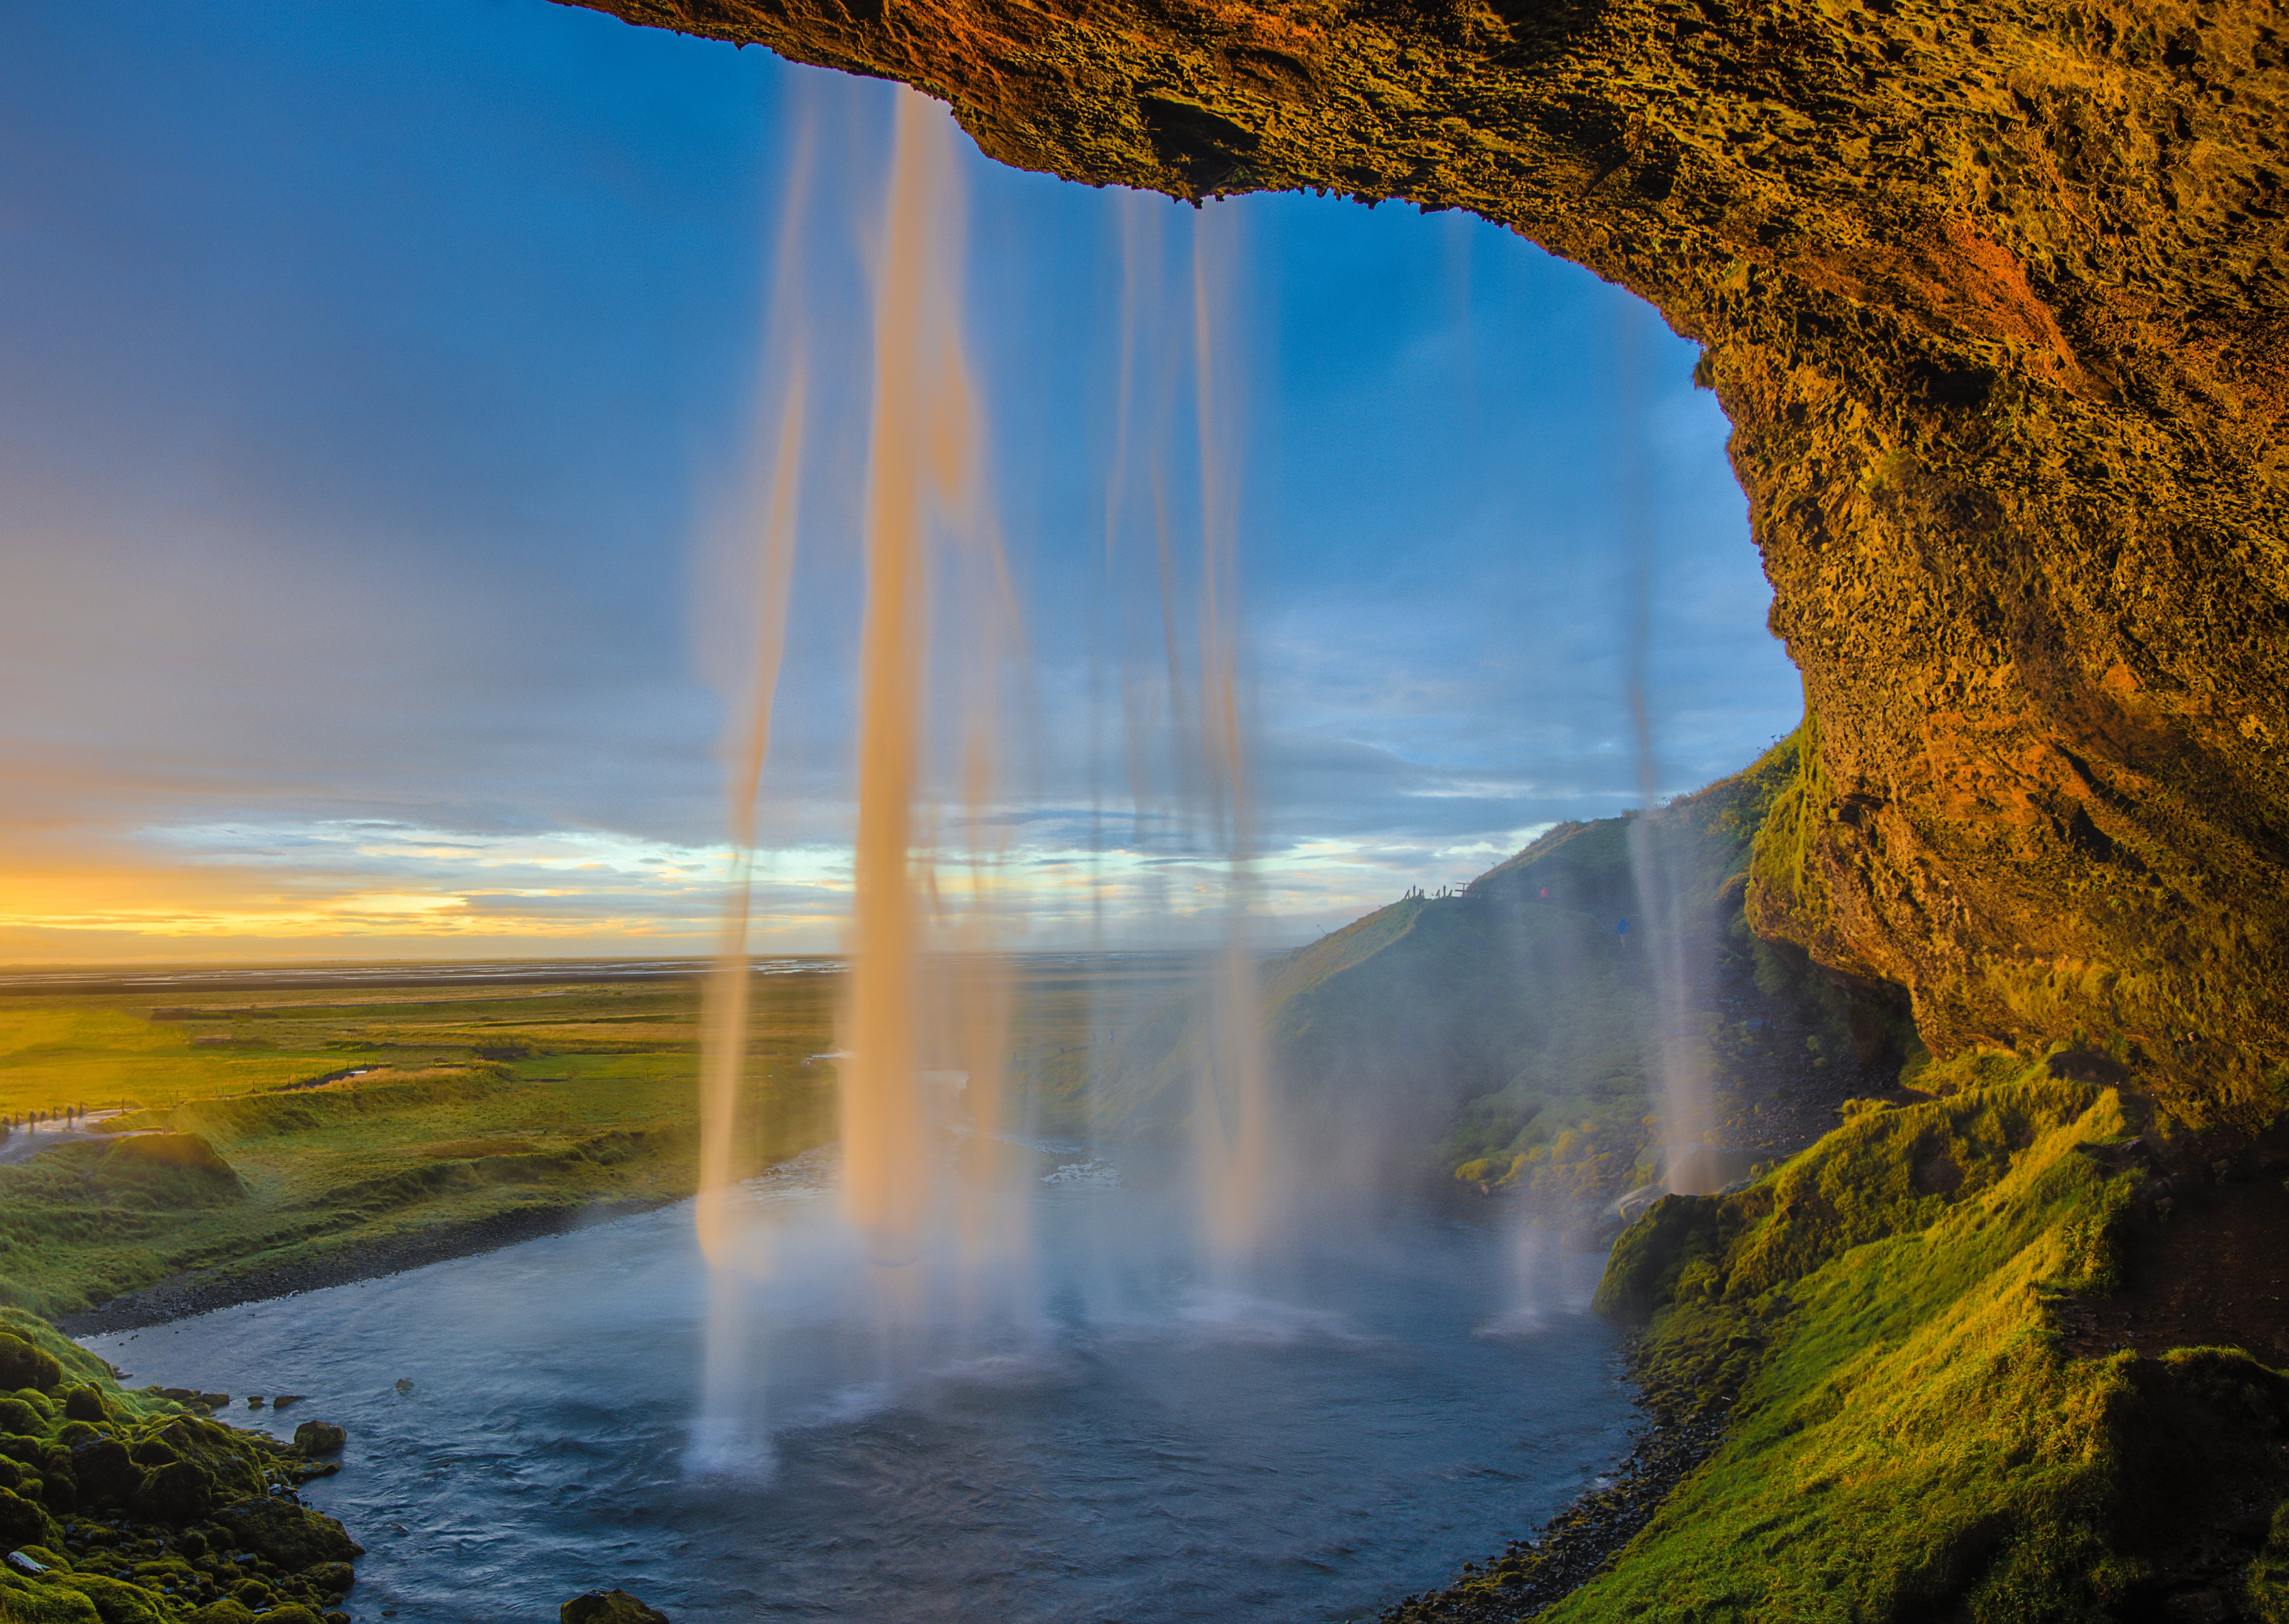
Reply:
x=317, y=1437
x=26, y=1601
x=292, y=1536
x=23, y=1366
x=117, y=1602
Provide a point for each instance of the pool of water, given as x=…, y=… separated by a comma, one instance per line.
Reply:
x=1132, y=1446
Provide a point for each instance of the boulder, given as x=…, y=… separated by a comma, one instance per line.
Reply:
x=83, y=1404
x=292, y=1536
x=316, y=1437
x=177, y=1492
x=23, y=1366
x=608, y=1607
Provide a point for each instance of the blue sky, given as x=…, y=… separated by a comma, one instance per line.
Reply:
x=379, y=387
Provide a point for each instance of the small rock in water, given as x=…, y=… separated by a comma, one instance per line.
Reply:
x=254, y=1404
x=316, y=1437
x=283, y=1399
x=608, y=1607
x=405, y=1384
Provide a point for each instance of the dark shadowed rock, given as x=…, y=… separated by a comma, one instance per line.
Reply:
x=608, y=1607
x=176, y=1494
x=105, y=1472
x=2089, y=1066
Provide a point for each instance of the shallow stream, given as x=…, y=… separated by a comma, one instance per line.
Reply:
x=522, y=1425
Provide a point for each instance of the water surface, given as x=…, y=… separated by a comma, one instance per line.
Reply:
x=1368, y=1415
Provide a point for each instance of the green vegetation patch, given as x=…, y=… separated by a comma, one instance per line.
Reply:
x=1909, y=1438
x=406, y=1117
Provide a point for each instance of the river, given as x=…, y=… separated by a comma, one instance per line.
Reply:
x=1405, y=1397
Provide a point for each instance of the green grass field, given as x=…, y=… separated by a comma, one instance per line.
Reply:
x=464, y=1107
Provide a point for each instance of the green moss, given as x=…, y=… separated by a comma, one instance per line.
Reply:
x=1910, y=1437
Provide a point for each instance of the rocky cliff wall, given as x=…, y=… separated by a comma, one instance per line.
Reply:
x=1993, y=295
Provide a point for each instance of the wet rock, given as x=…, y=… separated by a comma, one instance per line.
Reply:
x=608, y=1607
x=292, y=1536
x=405, y=1384
x=316, y=1437
x=283, y=1399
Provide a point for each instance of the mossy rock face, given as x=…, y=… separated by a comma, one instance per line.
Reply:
x=290, y=1535
x=608, y=1607
x=1993, y=298
x=23, y=1366
x=83, y=1404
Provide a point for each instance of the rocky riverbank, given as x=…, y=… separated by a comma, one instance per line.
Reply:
x=120, y=1507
